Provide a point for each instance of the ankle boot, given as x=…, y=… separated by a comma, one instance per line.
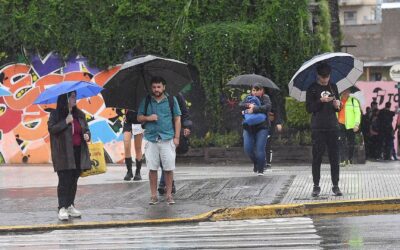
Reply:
x=129, y=175
x=137, y=172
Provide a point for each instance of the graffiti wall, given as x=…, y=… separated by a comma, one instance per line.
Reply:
x=23, y=126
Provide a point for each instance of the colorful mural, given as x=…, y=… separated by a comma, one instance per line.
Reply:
x=23, y=126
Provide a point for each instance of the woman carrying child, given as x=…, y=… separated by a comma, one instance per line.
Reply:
x=255, y=129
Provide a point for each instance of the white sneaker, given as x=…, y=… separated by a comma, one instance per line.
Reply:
x=73, y=212
x=63, y=214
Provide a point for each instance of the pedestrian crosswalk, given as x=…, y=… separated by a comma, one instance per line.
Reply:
x=285, y=233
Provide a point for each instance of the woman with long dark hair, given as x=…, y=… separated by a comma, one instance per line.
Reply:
x=69, y=134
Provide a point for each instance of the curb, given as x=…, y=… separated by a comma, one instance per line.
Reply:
x=106, y=224
x=309, y=209
x=223, y=214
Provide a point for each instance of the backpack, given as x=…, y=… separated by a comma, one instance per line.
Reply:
x=253, y=118
x=183, y=146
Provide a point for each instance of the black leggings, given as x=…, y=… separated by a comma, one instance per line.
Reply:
x=68, y=182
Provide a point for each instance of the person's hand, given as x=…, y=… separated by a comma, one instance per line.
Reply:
x=186, y=132
x=336, y=104
x=356, y=128
x=279, y=127
x=176, y=141
x=86, y=137
x=69, y=119
x=152, y=118
x=326, y=98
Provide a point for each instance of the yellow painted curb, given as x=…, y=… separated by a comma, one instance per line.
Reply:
x=251, y=212
x=307, y=209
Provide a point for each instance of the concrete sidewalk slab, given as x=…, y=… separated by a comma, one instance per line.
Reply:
x=28, y=195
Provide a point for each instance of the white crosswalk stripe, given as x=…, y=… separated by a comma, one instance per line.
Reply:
x=285, y=233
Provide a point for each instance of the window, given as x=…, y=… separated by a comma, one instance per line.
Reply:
x=350, y=17
x=376, y=76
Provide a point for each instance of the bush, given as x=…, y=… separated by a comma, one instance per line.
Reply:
x=297, y=116
x=226, y=140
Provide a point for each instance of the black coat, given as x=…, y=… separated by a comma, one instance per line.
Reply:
x=62, y=151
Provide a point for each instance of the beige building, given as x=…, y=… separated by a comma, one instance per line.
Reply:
x=357, y=12
x=371, y=32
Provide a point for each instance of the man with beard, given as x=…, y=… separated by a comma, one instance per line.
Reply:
x=162, y=131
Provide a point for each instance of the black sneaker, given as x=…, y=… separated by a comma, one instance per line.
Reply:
x=316, y=191
x=128, y=175
x=336, y=191
x=255, y=168
x=161, y=190
x=267, y=167
x=137, y=177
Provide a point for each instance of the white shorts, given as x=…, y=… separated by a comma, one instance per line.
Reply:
x=157, y=152
x=137, y=129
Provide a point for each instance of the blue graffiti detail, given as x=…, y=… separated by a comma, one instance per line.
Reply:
x=101, y=131
x=51, y=63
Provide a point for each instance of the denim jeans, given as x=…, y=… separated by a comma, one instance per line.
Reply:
x=254, y=146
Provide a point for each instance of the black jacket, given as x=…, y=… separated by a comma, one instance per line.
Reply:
x=323, y=113
x=62, y=151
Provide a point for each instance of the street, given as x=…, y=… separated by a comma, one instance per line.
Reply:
x=336, y=232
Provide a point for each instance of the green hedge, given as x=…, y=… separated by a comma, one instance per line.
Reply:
x=223, y=38
x=297, y=116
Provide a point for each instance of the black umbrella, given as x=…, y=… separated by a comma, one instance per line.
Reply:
x=132, y=82
x=249, y=80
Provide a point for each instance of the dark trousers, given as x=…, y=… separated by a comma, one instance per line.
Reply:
x=347, y=143
x=268, y=150
x=320, y=140
x=376, y=146
x=387, y=145
x=68, y=182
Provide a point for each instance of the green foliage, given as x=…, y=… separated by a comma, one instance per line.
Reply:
x=297, y=116
x=221, y=51
x=222, y=38
x=324, y=26
x=215, y=139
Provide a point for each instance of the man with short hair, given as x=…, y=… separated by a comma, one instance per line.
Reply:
x=322, y=101
x=162, y=131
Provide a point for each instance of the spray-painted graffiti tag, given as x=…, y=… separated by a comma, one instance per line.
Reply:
x=23, y=126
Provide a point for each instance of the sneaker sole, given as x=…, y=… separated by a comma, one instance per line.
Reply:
x=75, y=216
x=63, y=219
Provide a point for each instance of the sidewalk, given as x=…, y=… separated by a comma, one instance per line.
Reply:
x=28, y=194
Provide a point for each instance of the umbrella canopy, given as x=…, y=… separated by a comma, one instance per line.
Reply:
x=249, y=79
x=132, y=82
x=346, y=69
x=4, y=92
x=83, y=89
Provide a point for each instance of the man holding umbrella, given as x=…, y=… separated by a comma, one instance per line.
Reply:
x=322, y=101
x=162, y=131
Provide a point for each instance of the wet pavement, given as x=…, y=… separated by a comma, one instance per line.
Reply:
x=28, y=193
